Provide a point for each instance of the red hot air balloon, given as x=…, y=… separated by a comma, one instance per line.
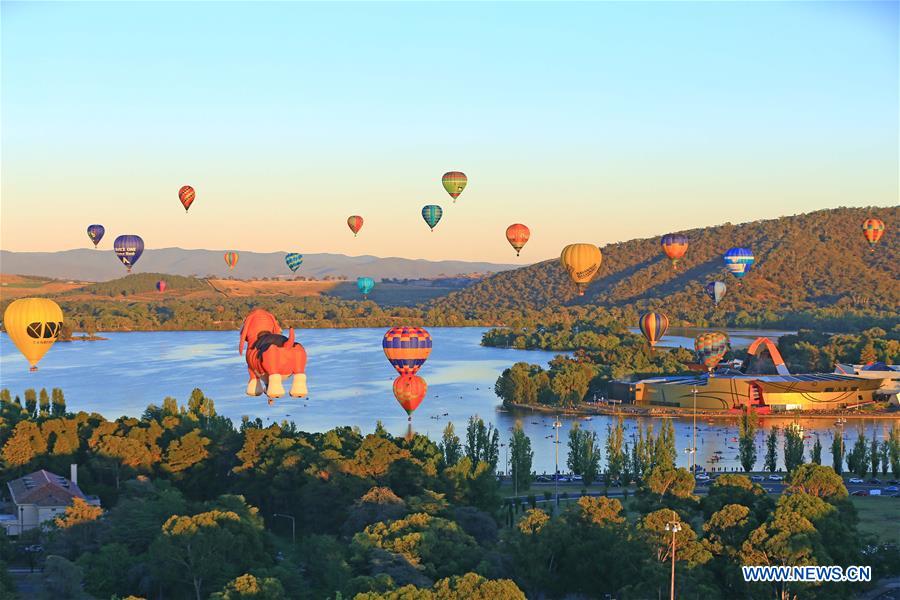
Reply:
x=161, y=286
x=409, y=390
x=186, y=194
x=674, y=245
x=517, y=235
x=355, y=223
x=231, y=259
x=873, y=229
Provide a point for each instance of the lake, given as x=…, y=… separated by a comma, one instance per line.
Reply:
x=349, y=383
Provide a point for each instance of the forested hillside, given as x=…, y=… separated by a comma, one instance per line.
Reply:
x=803, y=263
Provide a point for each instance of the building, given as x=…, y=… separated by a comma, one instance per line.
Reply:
x=730, y=389
x=40, y=497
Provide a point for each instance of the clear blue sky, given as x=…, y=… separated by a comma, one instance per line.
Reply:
x=589, y=122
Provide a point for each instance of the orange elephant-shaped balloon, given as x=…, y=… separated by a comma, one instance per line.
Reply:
x=271, y=359
x=259, y=321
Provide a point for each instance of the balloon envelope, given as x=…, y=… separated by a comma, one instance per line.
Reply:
x=365, y=285
x=738, y=261
x=95, y=232
x=674, y=245
x=517, y=235
x=716, y=290
x=293, y=261
x=33, y=324
x=355, y=223
x=653, y=325
x=432, y=214
x=161, y=285
x=129, y=249
x=454, y=182
x=873, y=229
x=711, y=348
x=406, y=348
x=582, y=263
x=410, y=390
x=231, y=259
x=186, y=194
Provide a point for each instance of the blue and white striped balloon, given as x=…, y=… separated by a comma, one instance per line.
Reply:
x=293, y=261
x=739, y=261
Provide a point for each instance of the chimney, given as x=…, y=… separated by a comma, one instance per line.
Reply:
x=73, y=477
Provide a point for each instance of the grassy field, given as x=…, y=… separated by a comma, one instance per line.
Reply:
x=879, y=516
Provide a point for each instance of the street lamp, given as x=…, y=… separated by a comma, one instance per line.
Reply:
x=556, y=426
x=674, y=526
x=293, y=526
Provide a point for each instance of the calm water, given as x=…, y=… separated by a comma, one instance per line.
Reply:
x=349, y=382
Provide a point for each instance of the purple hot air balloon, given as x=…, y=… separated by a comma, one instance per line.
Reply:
x=129, y=249
x=95, y=232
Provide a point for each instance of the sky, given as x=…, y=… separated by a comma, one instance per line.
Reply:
x=588, y=122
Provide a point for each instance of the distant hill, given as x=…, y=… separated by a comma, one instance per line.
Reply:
x=102, y=265
x=803, y=262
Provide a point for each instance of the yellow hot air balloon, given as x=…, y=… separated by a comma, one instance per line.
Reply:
x=582, y=263
x=33, y=324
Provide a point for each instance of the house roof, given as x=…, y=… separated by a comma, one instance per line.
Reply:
x=43, y=488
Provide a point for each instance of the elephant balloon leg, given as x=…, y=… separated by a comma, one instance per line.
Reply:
x=275, y=389
x=298, y=387
x=255, y=386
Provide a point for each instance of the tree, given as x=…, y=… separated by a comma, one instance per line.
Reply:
x=615, y=458
x=793, y=447
x=62, y=578
x=77, y=513
x=58, y=403
x=574, y=460
x=44, y=404
x=837, y=451
x=747, y=426
x=26, y=443
x=894, y=450
x=450, y=447
x=250, y=587
x=521, y=456
x=858, y=458
x=590, y=457
x=31, y=403
x=816, y=455
x=772, y=450
x=816, y=480
x=874, y=455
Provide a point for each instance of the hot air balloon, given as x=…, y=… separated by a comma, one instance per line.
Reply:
x=873, y=229
x=409, y=390
x=355, y=223
x=95, y=232
x=432, y=214
x=653, y=325
x=365, y=285
x=161, y=286
x=716, y=290
x=711, y=348
x=582, y=263
x=186, y=194
x=33, y=324
x=293, y=261
x=674, y=245
x=738, y=261
x=517, y=235
x=231, y=259
x=129, y=249
x=454, y=182
x=406, y=348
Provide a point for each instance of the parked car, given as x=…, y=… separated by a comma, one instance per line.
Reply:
x=874, y=481
x=757, y=478
x=856, y=480
x=860, y=493
x=892, y=488
x=775, y=477
x=893, y=482
x=701, y=477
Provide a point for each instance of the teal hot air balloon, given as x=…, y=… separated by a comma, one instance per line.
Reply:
x=365, y=285
x=293, y=261
x=432, y=214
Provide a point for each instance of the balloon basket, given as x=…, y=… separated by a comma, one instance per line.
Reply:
x=32, y=369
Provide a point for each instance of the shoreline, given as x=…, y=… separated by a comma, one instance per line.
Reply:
x=590, y=410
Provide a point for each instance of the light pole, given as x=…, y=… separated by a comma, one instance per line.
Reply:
x=293, y=526
x=840, y=422
x=674, y=526
x=694, y=442
x=556, y=426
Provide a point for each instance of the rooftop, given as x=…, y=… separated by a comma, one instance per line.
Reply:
x=44, y=488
